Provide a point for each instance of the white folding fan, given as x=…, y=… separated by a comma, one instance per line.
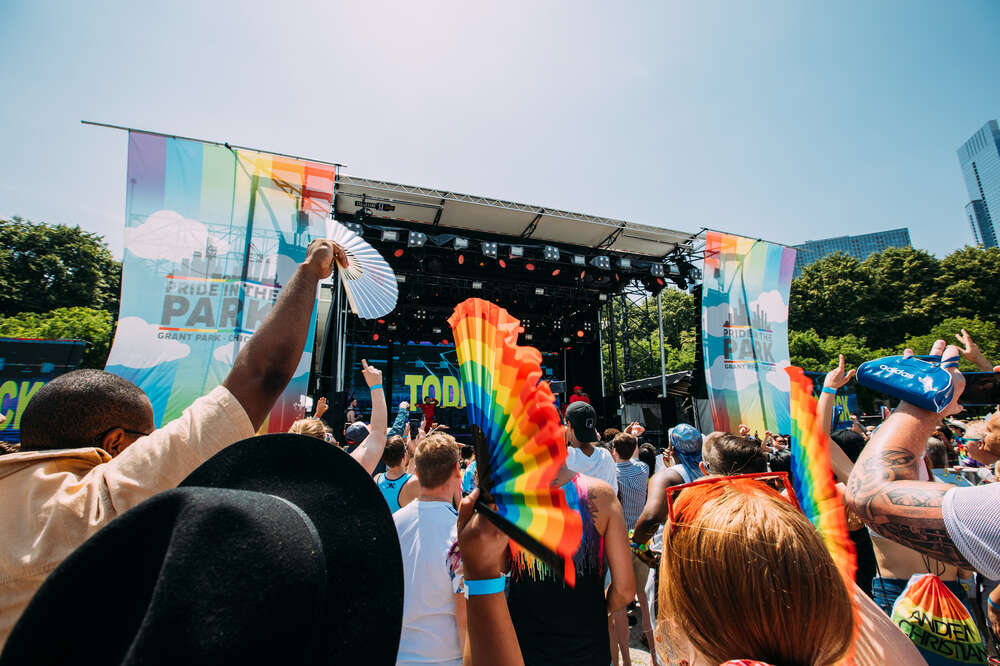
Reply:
x=368, y=281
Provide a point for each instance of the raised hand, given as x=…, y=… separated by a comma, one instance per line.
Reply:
x=972, y=353
x=321, y=255
x=483, y=546
x=949, y=355
x=837, y=378
x=321, y=407
x=372, y=375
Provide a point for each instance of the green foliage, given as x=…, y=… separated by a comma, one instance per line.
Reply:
x=985, y=334
x=810, y=351
x=88, y=324
x=831, y=295
x=43, y=267
x=969, y=284
x=902, y=286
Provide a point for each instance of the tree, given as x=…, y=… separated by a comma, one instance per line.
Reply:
x=969, y=283
x=43, y=267
x=831, y=296
x=88, y=324
x=985, y=334
x=902, y=294
x=679, y=313
x=810, y=351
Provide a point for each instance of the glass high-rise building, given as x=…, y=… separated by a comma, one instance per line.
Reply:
x=980, y=161
x=858, y=247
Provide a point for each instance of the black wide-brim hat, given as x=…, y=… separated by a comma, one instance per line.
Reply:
x=279, y=549
x=364, y=563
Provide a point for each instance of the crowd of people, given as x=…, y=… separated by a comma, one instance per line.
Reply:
x=702, y=544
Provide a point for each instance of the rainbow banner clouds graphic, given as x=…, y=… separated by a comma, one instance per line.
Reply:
x=744, y=310
x=212, y=234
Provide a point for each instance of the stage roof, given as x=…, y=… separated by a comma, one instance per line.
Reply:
x=451, y=210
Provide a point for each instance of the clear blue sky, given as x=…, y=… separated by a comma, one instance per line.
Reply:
x=784, y=120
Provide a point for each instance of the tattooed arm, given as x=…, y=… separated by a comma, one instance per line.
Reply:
x=884, y=488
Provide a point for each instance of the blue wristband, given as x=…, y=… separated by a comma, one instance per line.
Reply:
x=992, y=605
x=950, y=363
x=831, y=391
x=488, y=586
x=377, y=386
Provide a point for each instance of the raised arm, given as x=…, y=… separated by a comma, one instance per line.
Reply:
x=834, y=381
x=883, y=488
x=266, y=362
x=402, y=422
x=972, y=353
x=370, y=451
x=654, y=513
x=492, y=641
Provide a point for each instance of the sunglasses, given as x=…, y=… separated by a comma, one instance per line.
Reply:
x=773, y=480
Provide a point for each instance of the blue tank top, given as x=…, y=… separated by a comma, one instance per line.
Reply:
x=390, y=489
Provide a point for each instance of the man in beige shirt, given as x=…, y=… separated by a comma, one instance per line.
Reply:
x=89, y=450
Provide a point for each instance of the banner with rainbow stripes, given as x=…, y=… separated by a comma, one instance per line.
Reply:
x=744, y=310
x=212, y=233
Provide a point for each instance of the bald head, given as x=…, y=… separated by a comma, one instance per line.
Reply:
x=74, y=410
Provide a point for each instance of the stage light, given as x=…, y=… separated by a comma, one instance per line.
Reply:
x=401, y=278
x=375, y=338
x=477, y=285
x=381, y=321
x=490, y=250
x=602, y=297
x=516, y=251
x=503, y=264
x=602, y=262
x=444, y=342
x=625, y=262
x=390, y=236
x=461, y=259
x=355, y=227
x=461, y=243
x=556, y=272
x=551, y=253
x=656, y=270
x=539, y=291
x=529, y=267
x=580, y=333
x=566, y=339
x=579, y=260
x=436, y=331
x=529, y=337
x=583, y=274
x=416, y=239
x=398, y=253
x=392, y=327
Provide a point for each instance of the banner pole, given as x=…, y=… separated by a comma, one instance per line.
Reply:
x=663, y=360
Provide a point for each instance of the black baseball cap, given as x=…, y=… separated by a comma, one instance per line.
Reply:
x=583, y=420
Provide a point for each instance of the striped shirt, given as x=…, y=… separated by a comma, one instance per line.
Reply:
x=633, y=478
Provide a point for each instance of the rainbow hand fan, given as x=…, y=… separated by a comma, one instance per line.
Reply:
x=812, y=477
x=368, y=281
x=521, y=448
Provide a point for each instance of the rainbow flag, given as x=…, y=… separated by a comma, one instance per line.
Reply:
x=744, y=310
x=212, y=234
x=812, y=474
x=525, y=444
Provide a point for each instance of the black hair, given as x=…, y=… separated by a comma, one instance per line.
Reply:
x=75, y=409
x=852, y=442
x=647, y=454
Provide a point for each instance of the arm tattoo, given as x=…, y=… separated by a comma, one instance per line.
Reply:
x=886, y=494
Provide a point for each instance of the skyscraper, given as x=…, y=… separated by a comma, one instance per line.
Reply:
x=979, y=158
x=858, y=247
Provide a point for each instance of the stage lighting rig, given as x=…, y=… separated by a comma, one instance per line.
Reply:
x=416, y=239
x=601, y=261
x=490, y=250
x=477, y=285
x=625, y=263
x=390, y=236
x=355, y=227
x=539, y=291
x=579, y=260
x=461, y=243
x=550, y=253
x=516, y=251
x=656, y=270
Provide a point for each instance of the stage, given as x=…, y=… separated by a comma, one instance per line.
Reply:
x=554, y=270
